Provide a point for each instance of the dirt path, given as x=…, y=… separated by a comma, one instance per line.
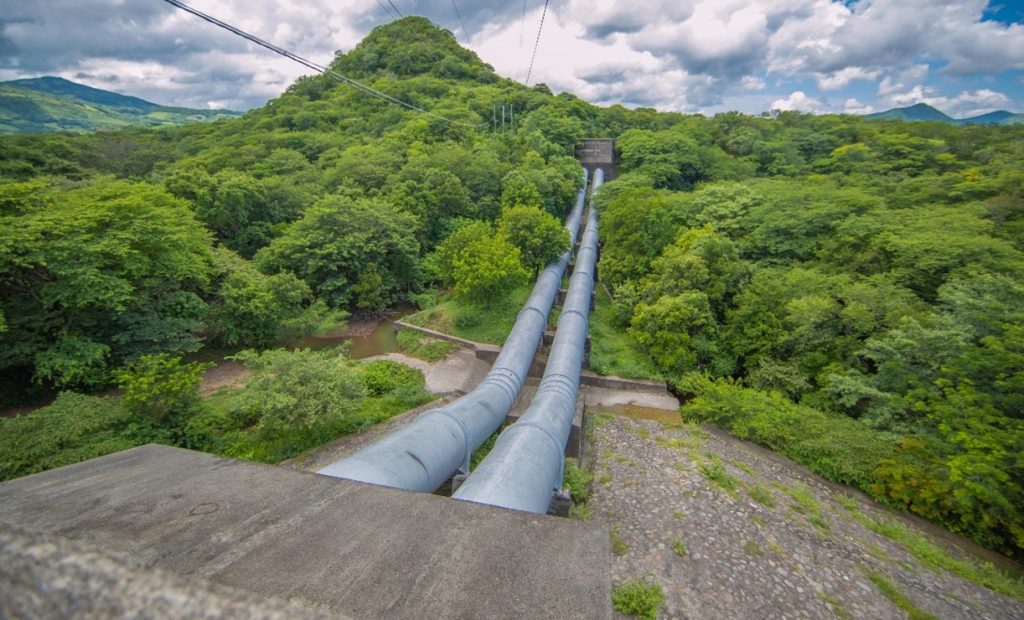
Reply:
x=731, y=533
x=227, y=373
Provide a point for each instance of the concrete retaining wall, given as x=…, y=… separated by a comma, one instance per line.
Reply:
x=462, y=342
x=489, y=352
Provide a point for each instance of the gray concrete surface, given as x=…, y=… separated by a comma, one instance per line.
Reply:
x=608, y=397
x=49, y=576
x=335, y=545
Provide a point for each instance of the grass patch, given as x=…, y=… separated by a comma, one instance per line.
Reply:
x=761, y=495
x=679, y=547
x=485, y=448
x=807, y=505
x=846, y=502
x=752, y=548
x=465, y=320
x=619, y=546
x=897, y=597
x=714, y=471
x=743, y=467
x=612, y=350
x=580, y=512
x=638, y=598
x=577, y=480
x=641, y=431
x=835, y=606
x=879, y=554
x=602, y=418
x=682, y=444
x=934, y=557
x=424, y=347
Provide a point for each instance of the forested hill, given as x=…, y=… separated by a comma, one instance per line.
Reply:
x=56, y=104
x=844, y=291
x=925, y=112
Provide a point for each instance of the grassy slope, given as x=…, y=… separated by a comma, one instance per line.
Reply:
x=612, y=350
x=489, y=325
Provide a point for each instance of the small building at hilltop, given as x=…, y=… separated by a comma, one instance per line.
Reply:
x=596, y=153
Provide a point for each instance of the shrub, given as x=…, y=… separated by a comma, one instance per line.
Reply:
x=161, y=388
x=837, y=447
x=577, y=480
x=383, y=376
x=297, y=400
x=303, y=388
x=73, y=428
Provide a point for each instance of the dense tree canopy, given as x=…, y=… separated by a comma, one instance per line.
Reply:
x=845, y=291
x=539, y=236
x=863, y=270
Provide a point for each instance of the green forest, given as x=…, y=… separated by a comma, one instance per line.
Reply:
x=849, y=293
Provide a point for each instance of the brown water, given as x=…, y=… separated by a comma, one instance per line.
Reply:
x=367, y=338
x=643, y=413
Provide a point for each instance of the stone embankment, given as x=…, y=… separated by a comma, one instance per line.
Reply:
x=733, y=531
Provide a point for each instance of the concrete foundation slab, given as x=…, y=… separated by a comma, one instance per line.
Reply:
x=325, y=543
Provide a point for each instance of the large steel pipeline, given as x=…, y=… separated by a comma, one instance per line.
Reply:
x=424, y=454
x=527, y=462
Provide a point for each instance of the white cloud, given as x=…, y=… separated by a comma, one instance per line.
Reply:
x=854, y=106
x=799, y=101
x=752, y=82
x=842, y=78
x=672, y=54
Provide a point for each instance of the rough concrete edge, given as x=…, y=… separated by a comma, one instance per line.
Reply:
x=592, y=379
x=587, y=377
x=469, y=344
x=45, y=575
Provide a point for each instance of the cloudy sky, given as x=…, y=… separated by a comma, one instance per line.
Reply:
x=962, y=56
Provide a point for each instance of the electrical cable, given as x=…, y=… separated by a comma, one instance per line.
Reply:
x=465, y=33
x=395, y=8
x=310, y=64
x=386, y=9
x=537, y=42
x=522, y=26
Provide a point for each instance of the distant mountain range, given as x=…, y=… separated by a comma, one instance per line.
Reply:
x=56, y=104
x=925, y=112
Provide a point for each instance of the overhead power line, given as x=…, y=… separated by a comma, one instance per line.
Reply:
x=522, y=26
x=537, y=42
x=465, y=33
x=369, y=90
x=395, y=8
x=386, y=9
